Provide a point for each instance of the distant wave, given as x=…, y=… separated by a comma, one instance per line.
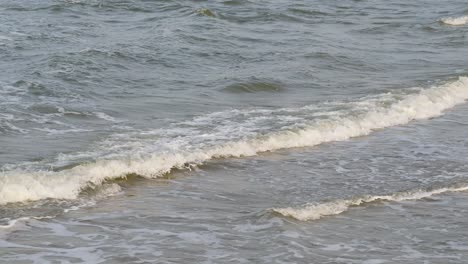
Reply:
x=317, y=211
x=20, y=185
x=254, y=87
x=455, y=21
x=206, y=12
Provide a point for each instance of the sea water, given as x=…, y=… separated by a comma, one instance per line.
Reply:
x=233, y=131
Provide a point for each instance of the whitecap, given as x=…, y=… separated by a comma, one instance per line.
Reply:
x=315, y=211
x=185, y=152
x=455, y=21
x=105, y=116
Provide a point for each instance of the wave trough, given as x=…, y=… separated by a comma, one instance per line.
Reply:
x=22, y=185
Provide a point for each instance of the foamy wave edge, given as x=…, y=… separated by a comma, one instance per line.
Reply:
x=18, y=186
x=455, y=21
x=320, y=210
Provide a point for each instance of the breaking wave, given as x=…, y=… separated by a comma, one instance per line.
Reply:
x=317, y=211
x=11, y=216
x=17, y=185
x=455, y=21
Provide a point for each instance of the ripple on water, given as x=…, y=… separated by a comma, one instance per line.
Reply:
x=206, y=12
x=254, y=87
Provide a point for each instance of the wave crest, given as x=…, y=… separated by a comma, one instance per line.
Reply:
x=18, y=185
x=455, y=21
x=317, y=211
x=254, y=87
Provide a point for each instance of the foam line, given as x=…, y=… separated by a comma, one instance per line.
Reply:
x=455, y=21
x=17, y=185
x=317, y=211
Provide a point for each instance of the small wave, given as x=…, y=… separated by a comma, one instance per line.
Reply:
x=105, y=116
x=455, y=21
x=308, y=12
x=103, y=191
x=43, y=108
x=51, y=131
x=5, y=38
x=234, y=2
x=36, y=89
x=19, y=185
x=5, y=116
x=253, y=87
x=15, y=216
x=12, y=223
x=206, y=12
x=73, y=1
x=317, y=211
x=8, y=127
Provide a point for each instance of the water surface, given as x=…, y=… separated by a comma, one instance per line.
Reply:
x=233, y=131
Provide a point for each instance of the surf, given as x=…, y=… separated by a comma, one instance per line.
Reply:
x=315, y=211
x=19, y=185
x=455, y=21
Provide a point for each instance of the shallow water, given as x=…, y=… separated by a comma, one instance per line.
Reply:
x=233, y=131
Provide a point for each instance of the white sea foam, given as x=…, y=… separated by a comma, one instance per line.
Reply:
x=104, y=191
x=13, y=222
x=105, y=116
x=8, y=126
x=455, y=21
x=51, y=131
x=319, y=210
x=18, y=185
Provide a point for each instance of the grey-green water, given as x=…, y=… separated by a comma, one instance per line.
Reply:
x=185, y=131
